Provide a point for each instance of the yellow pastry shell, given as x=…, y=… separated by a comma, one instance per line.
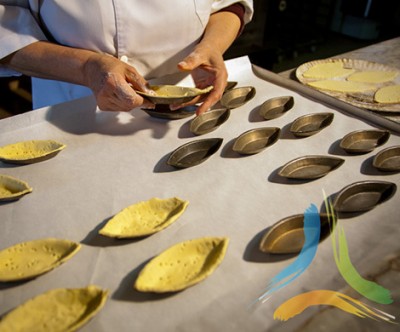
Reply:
x=182, y=265
x=12, y=188
x=28, y=152
x=30, y=259
x=58, y=310
x=144, y=218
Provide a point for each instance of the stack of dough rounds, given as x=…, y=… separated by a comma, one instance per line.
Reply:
x=388, y=94
x=327, y=70
x=376, y=76
x=342, y=86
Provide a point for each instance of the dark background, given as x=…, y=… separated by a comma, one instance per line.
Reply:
x=282, y=35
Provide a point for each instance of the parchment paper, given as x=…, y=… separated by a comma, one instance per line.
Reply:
x=114, y=160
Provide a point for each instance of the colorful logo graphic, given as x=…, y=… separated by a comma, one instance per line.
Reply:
x=297, y=304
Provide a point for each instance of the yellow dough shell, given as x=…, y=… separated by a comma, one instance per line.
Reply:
x=182, y=265
x=144, y=218
x=388, y=94
x=30, y=259
x=28, y=152
x=12, y=188
x=58, y=310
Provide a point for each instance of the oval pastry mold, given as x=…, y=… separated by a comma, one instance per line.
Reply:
x=310, y=167
x=256, y=140
x=12, y=188
x=237, y=97
x=311, y=124
x=230, y=85
x=388, y=160
x=364, y=141
x=276, y=107
x=163, y=112
x=194, y=153
x=362, y=196
x=182, y=265
x=172, y=94
x=209, y=121
x=287, y=235
x=29, y=152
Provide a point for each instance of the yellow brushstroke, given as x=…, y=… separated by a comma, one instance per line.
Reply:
x=297, y=304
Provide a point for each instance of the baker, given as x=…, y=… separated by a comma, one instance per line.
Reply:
x=112, y=48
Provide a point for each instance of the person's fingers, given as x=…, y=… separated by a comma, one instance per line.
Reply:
x=133, y=77
x=195, y=100
x=208, y=103
x=119, y=96
x=192, y=61
x=138, y=82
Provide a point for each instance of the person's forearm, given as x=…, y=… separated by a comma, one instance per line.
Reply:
x=221, y=31
x=46, y=60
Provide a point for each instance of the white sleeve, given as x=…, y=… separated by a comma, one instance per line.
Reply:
x=247, y=4
x=18, y=28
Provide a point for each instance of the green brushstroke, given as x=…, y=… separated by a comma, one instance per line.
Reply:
x=366, y=288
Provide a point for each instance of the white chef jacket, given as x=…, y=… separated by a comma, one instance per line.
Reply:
x=153, y=35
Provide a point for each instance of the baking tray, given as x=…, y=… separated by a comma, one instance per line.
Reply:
x=359, y=99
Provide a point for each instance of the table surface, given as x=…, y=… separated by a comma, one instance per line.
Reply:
x=114, y=160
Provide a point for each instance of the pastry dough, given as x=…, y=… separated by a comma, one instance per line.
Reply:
x=58, y=310
x=388, y=94
x=27, y=260
x=376, y=76
x=327, y=70
x=12, y=188
x=182, y=265
x=178, y=91
x=30, y=151
x=342, y=86
x=144, y=218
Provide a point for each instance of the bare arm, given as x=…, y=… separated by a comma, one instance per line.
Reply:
x=221, y=31
x=106, y=76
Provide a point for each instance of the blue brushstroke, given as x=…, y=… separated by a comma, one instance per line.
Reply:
x=312, y=230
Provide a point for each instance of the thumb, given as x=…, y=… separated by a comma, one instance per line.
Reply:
x=191, y=62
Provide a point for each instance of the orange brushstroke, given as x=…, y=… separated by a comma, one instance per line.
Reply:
x=297, y=304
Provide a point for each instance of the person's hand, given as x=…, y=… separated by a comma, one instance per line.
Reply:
x=113, y=83
x=207, y=68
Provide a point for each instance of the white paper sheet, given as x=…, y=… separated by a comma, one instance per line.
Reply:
x=114, y=160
